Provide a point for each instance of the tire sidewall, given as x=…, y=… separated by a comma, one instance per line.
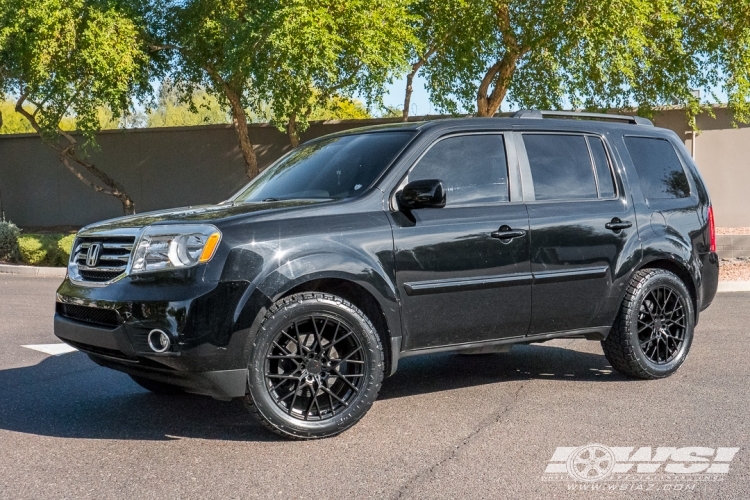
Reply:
x=373, y=368
x=652, y=282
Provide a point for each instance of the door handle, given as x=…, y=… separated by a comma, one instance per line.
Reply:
x=505, y=233
x=618, y=225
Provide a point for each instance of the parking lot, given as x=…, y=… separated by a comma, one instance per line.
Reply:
x=445, y=426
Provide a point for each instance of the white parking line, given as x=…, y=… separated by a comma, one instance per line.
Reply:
x=51, y=349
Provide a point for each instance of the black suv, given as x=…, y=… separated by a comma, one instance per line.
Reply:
x=355, y=250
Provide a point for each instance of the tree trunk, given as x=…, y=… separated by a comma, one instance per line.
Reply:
x=407, y=96
x=115, y=188
x=499, y=77
x=239, y=120
x=410, y=79
x=292, y=130
x=67, y=154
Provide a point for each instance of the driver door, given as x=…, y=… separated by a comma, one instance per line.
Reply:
x=460, y=278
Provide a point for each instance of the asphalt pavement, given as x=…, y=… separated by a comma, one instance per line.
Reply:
x=445, y=426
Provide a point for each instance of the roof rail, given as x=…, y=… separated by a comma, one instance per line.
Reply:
x=538, y=114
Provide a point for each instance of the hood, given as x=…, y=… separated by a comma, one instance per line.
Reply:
x=196, y=214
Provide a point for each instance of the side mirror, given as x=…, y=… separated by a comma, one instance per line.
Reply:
x=428, y=193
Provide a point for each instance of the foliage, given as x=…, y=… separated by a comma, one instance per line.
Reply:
x=321, y=49
x=13, y=123
x=178, y=110
x=340, y=108
x=9, y=234
x=594, y=55
x=284, y=59
x=437, y=26
x=71, y=58
x=46, y=249
x=390, y=112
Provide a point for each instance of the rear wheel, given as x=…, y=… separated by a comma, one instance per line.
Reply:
x=653, y=331
x=156, y=387
x=316, y=366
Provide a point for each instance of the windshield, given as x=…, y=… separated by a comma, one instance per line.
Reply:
x=333, y=168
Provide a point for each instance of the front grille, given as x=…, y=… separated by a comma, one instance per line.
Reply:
x=107, y=260
x=94, y=315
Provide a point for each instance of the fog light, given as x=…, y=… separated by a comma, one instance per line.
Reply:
x=158, y=341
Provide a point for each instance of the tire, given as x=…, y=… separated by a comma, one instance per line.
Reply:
x=653, y=330
x=157, y=387
x=315, y=367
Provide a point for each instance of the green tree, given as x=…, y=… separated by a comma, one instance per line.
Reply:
x=175, y=109
x=216, y=47
x=594, y=55
x=68, y=59
x=12, y=122
x=437, y=26
x=289, y=57
x=341, y=108
x=328, y=49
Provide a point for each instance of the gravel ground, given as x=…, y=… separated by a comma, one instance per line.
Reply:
x=732, y=230
x=734, y=270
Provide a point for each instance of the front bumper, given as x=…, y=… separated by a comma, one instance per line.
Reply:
x=111, y=325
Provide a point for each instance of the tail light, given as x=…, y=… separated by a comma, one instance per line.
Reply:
x=711, y=229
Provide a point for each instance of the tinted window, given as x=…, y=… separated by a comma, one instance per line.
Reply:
x=560, y=166
x=473, y=168
x=659, y=169
x=603, y=172
x=338, y=167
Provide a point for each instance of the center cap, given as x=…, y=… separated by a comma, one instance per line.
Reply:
x=658, y=325
x=313, y=367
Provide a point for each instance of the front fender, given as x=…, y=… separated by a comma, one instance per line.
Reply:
x=276, y=281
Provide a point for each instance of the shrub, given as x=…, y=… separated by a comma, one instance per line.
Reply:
x=33, y=249
x=46, y=249
x=9, y=233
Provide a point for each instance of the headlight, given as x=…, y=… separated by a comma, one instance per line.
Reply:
x=175, y=247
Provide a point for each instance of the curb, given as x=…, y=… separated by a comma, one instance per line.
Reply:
x=734, y=286
x=48, y=272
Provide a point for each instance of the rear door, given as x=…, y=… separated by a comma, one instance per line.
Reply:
x=461, y=276
x=582, y=229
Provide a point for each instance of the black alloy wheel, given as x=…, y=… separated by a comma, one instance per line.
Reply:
x=315, y=368
x=662, y=324
x=653, y=331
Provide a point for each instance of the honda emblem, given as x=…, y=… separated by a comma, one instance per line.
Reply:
x=92, y=256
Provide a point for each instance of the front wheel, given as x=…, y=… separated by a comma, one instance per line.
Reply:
x=653, y=331
x=315, y=367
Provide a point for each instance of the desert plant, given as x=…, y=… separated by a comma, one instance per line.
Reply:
x=9, y=233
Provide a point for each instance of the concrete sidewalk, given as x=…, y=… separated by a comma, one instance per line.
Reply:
x=47, y=272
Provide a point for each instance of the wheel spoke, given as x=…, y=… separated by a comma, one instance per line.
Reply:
x=312, y=353
x=346, y=358
x=318, y=338
x=296, y=390
x=343, y=378
x=314, y=394
x=326, y=389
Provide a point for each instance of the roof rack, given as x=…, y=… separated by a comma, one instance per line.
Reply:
x=538, y=114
